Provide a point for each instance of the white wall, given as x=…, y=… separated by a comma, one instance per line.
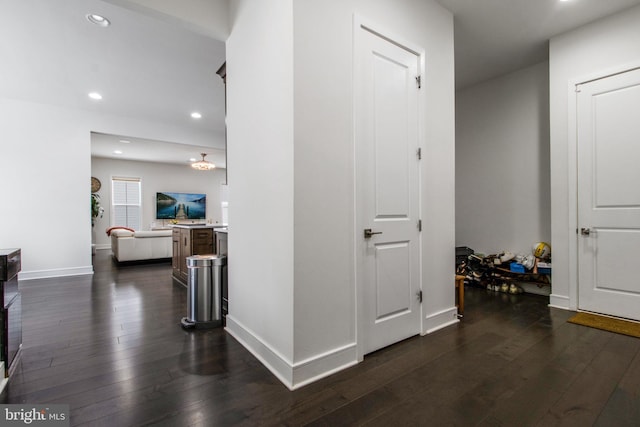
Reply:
x=155, y=177
x=45, y=171
x=503, y=197
x=292, y=287
x=260, y=178
x=46, y=160
x=325, y=294
x=608, y=45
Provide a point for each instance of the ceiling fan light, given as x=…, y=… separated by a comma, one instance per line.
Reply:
x=203, y=165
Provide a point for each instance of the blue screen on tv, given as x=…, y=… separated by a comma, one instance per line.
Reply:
x=181, y=206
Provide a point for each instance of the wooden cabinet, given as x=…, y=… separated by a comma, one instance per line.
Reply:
x=221, y=247
x=177, y=255
x=11, y=316
x=189, y=241
x=201, y=241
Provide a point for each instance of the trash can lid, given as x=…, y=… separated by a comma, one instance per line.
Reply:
x=205, y=260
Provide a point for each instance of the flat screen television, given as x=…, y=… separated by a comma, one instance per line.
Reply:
x=181, y=206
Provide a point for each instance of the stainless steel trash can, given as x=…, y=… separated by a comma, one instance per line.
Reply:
x=204, y=285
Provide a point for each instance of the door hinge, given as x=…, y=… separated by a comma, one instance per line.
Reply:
x=419, y=296
x=419, y=153
x=419, y=225
x=419, y=81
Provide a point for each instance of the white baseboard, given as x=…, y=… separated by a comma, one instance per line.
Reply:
x=103, y=246
x=272, y=359
x=323, y=365
x=436, y=321
x=559, y=301
x=58, y=272
x=297, y=375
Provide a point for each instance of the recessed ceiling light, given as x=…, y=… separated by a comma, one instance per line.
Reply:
x=125, y=141
x=95, y=95
x=98, y=20
x=117, y=152
x=196, y=115
x=192, y=160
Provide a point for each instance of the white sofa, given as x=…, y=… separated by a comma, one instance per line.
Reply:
x=128, y=245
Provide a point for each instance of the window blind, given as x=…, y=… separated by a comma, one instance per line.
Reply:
x=125, y=202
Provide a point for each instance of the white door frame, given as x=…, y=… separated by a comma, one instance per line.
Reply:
x=362, y=23
x=572, y=170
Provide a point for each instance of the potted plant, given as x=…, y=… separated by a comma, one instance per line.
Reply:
x=96, y=209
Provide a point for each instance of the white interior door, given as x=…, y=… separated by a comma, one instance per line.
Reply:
x=609, y=195
x=387, y=190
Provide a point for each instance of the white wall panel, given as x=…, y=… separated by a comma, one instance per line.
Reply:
x=594, y=50
x=502, y=163
x=260, y=177
x=325, y=294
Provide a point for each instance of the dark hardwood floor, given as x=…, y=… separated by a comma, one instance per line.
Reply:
x=112, y=348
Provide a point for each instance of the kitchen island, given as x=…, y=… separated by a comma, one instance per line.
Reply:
x=187, y=240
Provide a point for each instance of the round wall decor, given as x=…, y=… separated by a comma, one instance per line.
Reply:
x=95, y=184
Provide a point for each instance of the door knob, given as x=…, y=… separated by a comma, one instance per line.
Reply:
x=585, y=231
x=368, y=233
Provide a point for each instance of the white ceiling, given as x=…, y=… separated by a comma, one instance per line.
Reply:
x=145, y=67
x=147, y=150
x=151, y=66
x=495, y=37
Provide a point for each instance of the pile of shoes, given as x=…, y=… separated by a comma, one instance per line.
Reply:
x=495, y=272
x=480, y=270
x=477, y=269
x=505, y=288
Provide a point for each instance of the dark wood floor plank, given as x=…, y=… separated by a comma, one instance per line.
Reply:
x=423, y=379
x=583, y=401
x=531, y=363
x=415, y=412
x=525, y=404
x=623, y=408
x=111, y=347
